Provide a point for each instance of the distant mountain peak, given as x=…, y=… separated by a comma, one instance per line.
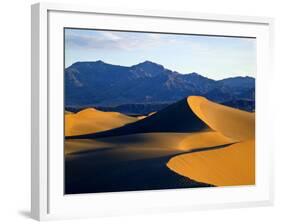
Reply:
x=197, y=76
x=100, y=62
x=97, y=83
x=193, y=74
x=246, y=77
x=82, y=63
x=149, y=64
x=149, y=67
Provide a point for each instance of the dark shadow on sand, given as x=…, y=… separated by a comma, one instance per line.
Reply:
x=100, y=171
x=177, y=117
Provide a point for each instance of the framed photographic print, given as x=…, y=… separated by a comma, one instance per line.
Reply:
x=138, y=111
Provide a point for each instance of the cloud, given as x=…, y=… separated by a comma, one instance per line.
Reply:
x=128, y=41
x=180, y=52
x=109, y=35
x=111, y=40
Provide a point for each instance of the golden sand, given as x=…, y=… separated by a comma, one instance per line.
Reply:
x=230, y=122
x=232, y=165
x=143, y=116
x=223, y=166
x=169, y=141
x=91, y=120
x=135, y=141
x=204, y=140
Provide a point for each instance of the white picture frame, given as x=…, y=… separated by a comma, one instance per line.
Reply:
x=48, y=201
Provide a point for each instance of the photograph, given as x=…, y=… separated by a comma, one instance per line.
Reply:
x=157, y=111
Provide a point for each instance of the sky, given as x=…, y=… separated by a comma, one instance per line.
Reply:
x=215, y=57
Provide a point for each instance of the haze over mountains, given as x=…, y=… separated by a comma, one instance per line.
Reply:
x=147, y=87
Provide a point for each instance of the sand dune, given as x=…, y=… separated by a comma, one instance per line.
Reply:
x=192, y=115
x=91, y=120
x=177, y=117
x=151, y=113
x=145, y=116
x=141, y=117
x=193, y=138
x=230, y=122
x=232, y=165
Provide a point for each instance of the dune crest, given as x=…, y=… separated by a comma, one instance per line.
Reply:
x=233, y=123
x=91, y=121
x=222, y=166
x=232, y=165
x=177, y=117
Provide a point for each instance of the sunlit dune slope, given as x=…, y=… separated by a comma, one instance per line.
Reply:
x=177, y=117
x=141, y=117
x=91, y=120
x=232, y=165
x=144, y=116
x=179, y=142
x=222, y=166
x=230, y=122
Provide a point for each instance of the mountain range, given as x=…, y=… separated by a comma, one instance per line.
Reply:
x=147, y=87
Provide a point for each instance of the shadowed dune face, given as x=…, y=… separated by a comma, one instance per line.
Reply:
x=177, y=117
x=229, y=166
x=230, y=122
x=91, y=120
x=110, y=170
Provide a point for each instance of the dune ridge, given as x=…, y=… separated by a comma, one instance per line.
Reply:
x=231, y=122
x=177, y=117
x=227, y=166
x=91, y=120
